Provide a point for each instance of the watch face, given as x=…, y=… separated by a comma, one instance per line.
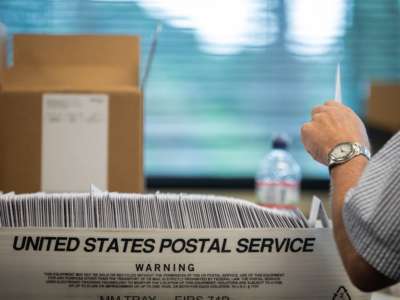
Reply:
x=342, y=151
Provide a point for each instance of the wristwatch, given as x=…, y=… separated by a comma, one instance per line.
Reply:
x=343, y=152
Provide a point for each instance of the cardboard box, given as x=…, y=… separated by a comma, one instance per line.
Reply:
x=71, y=114
x=178, y=263
x=383, y=110
x=95, y=264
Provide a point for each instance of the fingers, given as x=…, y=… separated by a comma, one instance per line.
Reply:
x=333, y=103
x=328, y=108
x=313, y=139
x=307, y=138
x=305, y=132
x=306, y=127
x=318, y=117
x=318, y=109
x=322, y=113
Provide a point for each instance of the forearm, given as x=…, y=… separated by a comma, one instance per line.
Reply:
x=343, y=178
x=330, y=137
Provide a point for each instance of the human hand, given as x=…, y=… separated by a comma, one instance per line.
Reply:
x=332, y=123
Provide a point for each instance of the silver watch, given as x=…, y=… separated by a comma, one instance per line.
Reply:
x=343, y=152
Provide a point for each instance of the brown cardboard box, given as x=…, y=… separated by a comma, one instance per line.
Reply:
x=69, y=65
x=383, y=109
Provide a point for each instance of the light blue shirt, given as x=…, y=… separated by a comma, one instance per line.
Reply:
x=371, y=212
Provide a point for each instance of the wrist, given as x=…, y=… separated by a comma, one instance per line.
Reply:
x=346, y=151
x=356, y=163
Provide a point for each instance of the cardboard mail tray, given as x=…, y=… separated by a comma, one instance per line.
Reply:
x=213, y=264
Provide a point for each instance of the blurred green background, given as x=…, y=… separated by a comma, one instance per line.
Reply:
x=229, y=74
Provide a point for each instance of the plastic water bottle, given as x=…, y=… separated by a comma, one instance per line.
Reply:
x=279, y=175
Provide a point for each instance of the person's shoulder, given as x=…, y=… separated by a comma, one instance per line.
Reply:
x=393, y=144
x=395, y=140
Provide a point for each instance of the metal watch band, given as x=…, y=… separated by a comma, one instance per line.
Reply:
x=363, y=151
x=358, y=149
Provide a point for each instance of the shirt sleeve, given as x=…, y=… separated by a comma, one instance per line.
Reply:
x=371, y=212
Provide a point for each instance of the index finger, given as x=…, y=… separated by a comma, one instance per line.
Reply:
x=332, y=103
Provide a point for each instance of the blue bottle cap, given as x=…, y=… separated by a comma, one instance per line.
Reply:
x=279, y=143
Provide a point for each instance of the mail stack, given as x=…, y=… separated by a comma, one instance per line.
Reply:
x=102, y=245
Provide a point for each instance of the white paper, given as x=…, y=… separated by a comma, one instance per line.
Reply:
x=338, y=87
x=74, y=141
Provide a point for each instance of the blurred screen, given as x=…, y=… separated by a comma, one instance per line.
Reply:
x=230, y=74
